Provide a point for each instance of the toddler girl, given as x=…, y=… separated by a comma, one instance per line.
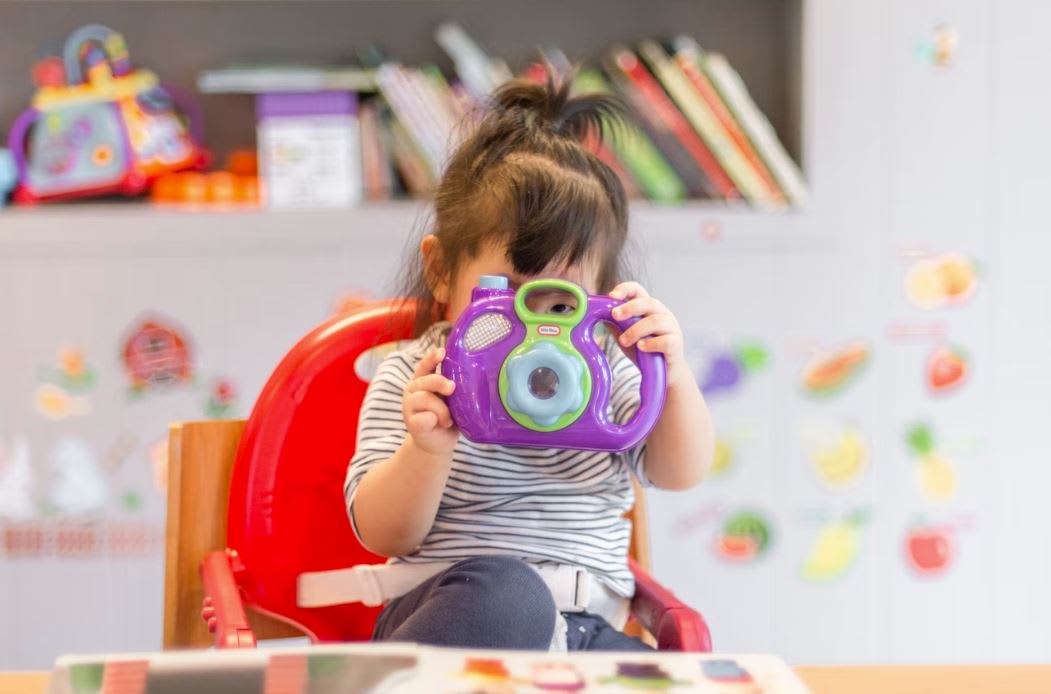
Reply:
x=504, y=547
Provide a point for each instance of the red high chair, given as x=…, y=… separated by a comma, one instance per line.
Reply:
x=251, y=511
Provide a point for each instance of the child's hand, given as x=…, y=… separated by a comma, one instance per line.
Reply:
x=426, y=415
x=656, y=331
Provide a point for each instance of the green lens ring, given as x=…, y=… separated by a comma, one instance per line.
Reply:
x=566, y=321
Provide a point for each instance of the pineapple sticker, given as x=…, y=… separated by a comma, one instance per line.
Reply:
x=935, y=473
x=835, y=549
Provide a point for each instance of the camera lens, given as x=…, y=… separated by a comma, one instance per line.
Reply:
x=543, y=383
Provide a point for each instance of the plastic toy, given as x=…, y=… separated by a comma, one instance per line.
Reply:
x=540, y=379
x=236, y=186
x=97, y=126
x=8, y=175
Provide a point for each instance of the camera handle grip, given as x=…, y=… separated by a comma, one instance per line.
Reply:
x=654, y=377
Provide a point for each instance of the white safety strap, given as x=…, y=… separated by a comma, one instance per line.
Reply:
x=573, y=588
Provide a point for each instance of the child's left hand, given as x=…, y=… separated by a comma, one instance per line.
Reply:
x=656, y=331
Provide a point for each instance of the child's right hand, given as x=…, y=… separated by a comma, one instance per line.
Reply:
x=426, y=415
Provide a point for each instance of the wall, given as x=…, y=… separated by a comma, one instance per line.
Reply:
x=906, y=160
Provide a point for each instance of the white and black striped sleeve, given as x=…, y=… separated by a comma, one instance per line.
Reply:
x=624, y=402
x=381, y=427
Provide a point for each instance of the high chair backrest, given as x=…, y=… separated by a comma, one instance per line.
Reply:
x=286, y=511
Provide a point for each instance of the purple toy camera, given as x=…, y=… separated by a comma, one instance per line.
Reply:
x=540, y=379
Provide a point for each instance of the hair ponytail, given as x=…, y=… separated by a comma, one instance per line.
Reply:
x=552, y=106
x=525, y=177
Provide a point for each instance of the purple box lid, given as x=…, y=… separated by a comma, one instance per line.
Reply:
x=279, y=104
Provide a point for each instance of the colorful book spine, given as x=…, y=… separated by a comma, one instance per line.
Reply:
x=375, y=160
x=755, y=124
x=657, y=130
x=689, y=56
x=412, y=167
x=402, y=92
x=704, y=122
x=662, y=107
x=655, y=176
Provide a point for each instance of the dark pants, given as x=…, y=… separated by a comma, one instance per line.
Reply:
x=492, y=602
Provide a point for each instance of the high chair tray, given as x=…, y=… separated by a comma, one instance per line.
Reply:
x=405, y=669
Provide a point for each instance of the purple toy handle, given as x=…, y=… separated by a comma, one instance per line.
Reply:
x=16, y=140
x=189, y=107
x=651, y=366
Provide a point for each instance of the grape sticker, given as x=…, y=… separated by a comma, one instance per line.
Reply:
x=727, y=368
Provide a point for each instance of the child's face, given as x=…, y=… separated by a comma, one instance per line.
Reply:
x=493, y=260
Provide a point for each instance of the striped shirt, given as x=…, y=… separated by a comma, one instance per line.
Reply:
x=541, y=505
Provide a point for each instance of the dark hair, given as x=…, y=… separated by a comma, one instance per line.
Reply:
x=524, y=176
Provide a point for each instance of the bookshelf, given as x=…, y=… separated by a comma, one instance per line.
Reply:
x=138, y=229
x=179, y=38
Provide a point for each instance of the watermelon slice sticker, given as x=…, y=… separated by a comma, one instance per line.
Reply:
x=744, y=537
x=831, y=371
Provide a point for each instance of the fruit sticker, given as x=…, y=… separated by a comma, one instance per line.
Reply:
x=938, y=51
x=947, y=369
x=63, y=389
x=557, y=677
x=744, y=537
x=829, y=372
x=642, y=677
x=945, y=280
x=935, y=473
x=157, y=355
x=724, y=459
x=930, y=549
x=222, y=400
x=725, y=670
x=726, y=369
x=835, y=549
x=488, y=676
x=839, y=462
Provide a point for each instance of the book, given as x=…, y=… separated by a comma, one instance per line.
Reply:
x=262, y=79
x=375, y=158
x=675, y=134
x=402, y=90
x=389, y=668
x=415, y=174
x=688, y=56
x=309, y=149
x=479, y=72
x=656, y=178
x=702, y=118
x=755, y=124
